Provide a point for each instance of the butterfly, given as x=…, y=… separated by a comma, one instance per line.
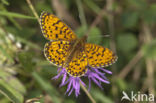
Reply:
x=68, y=51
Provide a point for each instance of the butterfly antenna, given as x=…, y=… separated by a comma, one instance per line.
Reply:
x=109, y=36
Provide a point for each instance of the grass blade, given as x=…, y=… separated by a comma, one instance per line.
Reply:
x=17, y=15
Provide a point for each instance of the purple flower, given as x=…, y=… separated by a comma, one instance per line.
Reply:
x=97, y=75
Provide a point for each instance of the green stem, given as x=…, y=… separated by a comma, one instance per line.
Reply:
x=87, y=93
x=81, y=12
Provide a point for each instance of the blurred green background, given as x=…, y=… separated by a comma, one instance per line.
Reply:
x=25, y=74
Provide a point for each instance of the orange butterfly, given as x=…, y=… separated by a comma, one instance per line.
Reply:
x=68, y=51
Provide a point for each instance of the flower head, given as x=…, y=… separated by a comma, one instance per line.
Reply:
x=97, y=75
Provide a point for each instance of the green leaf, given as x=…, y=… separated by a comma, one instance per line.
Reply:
x=99, y=96
x=26, y=32
x=4, y=53
x=149, y=14
x=81, y=31
x=129, y=19
x=42, y=6
x=11, y=87
x=25, y=59
x=10, y=93
x=12, y=19
x=45, y=85
x=5, y=2
x=94, y=35
x=17, y=15
x=137, y=4
x=92, y=5
x=126, y=42
x=4, y=100
x=149, y=49
x=12, y=81
x=69, y=101
x=121, y=83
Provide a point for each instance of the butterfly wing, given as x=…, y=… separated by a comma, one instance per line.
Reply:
x=57, y=51
x=54, y=29
x=99, y=56
x=78, y=65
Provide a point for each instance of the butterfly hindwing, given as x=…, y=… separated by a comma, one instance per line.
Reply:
x=57, y=51
x=78, y=65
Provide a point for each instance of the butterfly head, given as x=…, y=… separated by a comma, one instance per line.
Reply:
x=84, y=38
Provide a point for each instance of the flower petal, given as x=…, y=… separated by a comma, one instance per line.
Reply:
x=63, y=79
x=89, y=84
x=70, y=91
x=107, y=71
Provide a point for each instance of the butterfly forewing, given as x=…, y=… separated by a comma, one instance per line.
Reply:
x=54, y=29
x=99, y=56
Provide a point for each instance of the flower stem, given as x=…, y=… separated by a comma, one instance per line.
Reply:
x=33, y=10
x=87, y=93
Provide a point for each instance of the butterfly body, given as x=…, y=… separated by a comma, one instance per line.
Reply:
x=67, y=51
x=76, y=48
